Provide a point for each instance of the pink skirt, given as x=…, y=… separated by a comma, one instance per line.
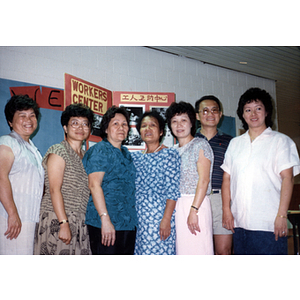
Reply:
x=186, y=242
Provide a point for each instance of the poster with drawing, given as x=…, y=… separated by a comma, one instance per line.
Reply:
x=168, y=138
x=136, y=103
x=134, y=139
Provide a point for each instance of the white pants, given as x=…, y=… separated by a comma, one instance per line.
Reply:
x=22, y=245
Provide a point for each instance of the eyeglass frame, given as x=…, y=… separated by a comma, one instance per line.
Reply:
x=213, y=111
x=80, y=125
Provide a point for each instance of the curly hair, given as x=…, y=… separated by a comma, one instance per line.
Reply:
x=18, y=103
x=255, y=94
x=110, y=114
x=76, y=110
x=179, y=109
x=153, y=114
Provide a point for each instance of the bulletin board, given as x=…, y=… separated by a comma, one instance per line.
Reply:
x=136, y=103
x=97, y=98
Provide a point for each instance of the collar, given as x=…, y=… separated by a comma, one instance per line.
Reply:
x=268, y=131
x=219, y=132
x=124, y=150
x=70, y=149
x=21, y=141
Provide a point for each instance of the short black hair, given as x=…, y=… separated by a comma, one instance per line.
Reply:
x=208, y=97
x=76, y=110
x=153, y=114
x=110, y=114
x=255, y=94
x=179, y=109
x=18, y=103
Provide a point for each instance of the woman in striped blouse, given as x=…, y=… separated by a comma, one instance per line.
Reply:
x=61, y=228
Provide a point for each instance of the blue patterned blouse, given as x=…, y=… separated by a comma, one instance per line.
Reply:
x=118, y=185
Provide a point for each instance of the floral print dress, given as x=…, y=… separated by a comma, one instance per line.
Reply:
x=157, y=179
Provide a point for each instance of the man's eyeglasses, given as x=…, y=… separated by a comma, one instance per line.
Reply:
x=206, y=111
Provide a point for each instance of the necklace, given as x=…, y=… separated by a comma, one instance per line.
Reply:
x=153, y=151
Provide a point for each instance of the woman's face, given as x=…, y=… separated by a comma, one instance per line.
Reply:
x=24, y=123
x=255, y=114
x=117, y=129
x=150, y=132
x=181, y=125
x=78, y=129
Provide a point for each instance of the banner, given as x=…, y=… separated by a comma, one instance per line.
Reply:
x=45, y=97
x=136, y=103
x=97, y=98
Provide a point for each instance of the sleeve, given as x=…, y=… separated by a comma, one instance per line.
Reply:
x=12, y=143
x=226, y=166
x=96, y=159
x=57, y=149
x=172, y=174
x=287, y=156
x=208, y=153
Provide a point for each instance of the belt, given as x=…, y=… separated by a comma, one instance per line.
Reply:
x=215, y=191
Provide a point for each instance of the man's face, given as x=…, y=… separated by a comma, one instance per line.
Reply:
x=209, y=113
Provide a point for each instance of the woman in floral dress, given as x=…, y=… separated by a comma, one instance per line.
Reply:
x=157, y=189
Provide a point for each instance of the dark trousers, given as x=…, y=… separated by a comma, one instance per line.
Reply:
x=250, y=242
x=124, y=244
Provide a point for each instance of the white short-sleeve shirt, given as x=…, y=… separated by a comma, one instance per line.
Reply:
x=26, y=177
x=255, y=182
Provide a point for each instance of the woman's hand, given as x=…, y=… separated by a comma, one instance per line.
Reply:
x=203, y=169
x=228, y=220
x=280, y=227
x=56, y=170
x=192, y=221
x=65, y=233
x=108, y=231
x=165, y=223
x=14, y=225
x=287, y=184
x=165, y=228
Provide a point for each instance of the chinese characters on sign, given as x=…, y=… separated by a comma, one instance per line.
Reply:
x=140, y=98
x=136, y=103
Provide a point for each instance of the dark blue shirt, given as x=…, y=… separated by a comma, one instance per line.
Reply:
x=219, y=144
x=118, y=185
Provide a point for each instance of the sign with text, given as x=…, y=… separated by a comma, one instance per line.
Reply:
x=136, y=103
x=45, y=97
x=97, y=98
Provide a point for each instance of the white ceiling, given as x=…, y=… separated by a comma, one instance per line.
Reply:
x=278, y=63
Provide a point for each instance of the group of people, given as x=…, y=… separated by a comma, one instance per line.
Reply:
x=209, y=194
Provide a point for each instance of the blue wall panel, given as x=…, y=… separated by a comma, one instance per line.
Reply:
x=49, y=130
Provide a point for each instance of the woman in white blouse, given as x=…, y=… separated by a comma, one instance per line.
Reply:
x=21, y=178
x=259, y=169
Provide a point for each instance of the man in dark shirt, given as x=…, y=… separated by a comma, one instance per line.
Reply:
x=209, y=113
